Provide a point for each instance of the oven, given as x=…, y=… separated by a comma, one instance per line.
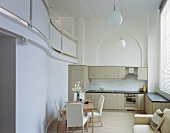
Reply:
x=131, y=100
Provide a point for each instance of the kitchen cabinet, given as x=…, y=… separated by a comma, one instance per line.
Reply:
x=77, y=73
x=88, y=96
x=142, y=73
x=104, y=72
x=151, y=107
x=141, y=102
x=94, y=97
x=110, y=101
x=120, y=101
x=148, y=106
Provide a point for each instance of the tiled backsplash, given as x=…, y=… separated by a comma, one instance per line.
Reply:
x=128, y=84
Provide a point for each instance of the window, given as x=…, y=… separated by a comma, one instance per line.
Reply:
x=165, y=49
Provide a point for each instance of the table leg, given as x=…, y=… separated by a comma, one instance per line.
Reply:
x=92, y=122
x=63, y=122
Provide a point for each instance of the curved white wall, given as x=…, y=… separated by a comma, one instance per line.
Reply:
x=108, y=53
x=40, y=78
x=41, y=74
x=100, y=33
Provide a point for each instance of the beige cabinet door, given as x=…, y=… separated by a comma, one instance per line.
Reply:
x=91, y=72
x=110, y=101
x=141, y=102
x=148, y=105
x=77, y=73
x=142, y=73
x=121, y=72
x=114, y=72
x=95, y=99
x=88, y=96
x=106, y=72
x=161, y=106
x=94, y=72
x=120, y=101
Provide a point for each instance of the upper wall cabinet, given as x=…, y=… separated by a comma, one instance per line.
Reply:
x=142, y=73
x=55, y=38
x=20, y=8
x=69, y=47
x=40, y=17
x=104, y=72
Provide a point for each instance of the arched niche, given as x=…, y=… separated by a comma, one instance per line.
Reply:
x=109, y=54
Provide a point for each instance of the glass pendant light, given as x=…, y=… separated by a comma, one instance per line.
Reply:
x=121, y=43
x=115, y=18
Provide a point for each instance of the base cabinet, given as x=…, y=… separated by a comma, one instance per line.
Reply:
x=148, y=106
x=151, y=107
x=120, y=101
x=141, y=103
x=94, y=98
x=112, y=101
x=116, y=101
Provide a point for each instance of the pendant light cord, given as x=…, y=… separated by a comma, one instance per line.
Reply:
x=114, y=5
x=122, y=16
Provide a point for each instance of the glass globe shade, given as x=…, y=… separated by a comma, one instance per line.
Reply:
x=121, y=43
x=115, y=18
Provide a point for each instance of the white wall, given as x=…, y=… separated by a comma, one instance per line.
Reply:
x=40, y=79
x=31, y=71
x=80, y=34
x=41, y=75
x=153, y=50
x=129, y=84
x=57, y=85
x=100, y=43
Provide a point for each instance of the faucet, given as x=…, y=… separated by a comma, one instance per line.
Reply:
x=102, y=89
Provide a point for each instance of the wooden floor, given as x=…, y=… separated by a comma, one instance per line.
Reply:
x=113, y=122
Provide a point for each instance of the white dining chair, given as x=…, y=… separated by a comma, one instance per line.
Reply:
x=75, y=116
x=99, y=111
x=58, y=112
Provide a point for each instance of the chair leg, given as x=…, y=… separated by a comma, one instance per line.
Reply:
x=87, y=125
x=67, y=129
x=73, y=129
x=99, y=118
x=90, y=119
x=58, y=125
x=82, y=129
x=101, y=121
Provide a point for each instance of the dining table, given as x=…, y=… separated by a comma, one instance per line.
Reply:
x=87, y=107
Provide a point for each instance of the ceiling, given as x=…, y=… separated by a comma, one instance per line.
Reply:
x=95, y=9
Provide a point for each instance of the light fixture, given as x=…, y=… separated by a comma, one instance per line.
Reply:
x=121, y=43
x=115, y=18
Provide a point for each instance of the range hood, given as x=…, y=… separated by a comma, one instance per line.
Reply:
x=131, y=71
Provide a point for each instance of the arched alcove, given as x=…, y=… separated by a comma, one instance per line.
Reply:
x=109, y=54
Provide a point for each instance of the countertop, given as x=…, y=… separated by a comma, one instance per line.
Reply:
x=155, y=97
x=114, y=91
